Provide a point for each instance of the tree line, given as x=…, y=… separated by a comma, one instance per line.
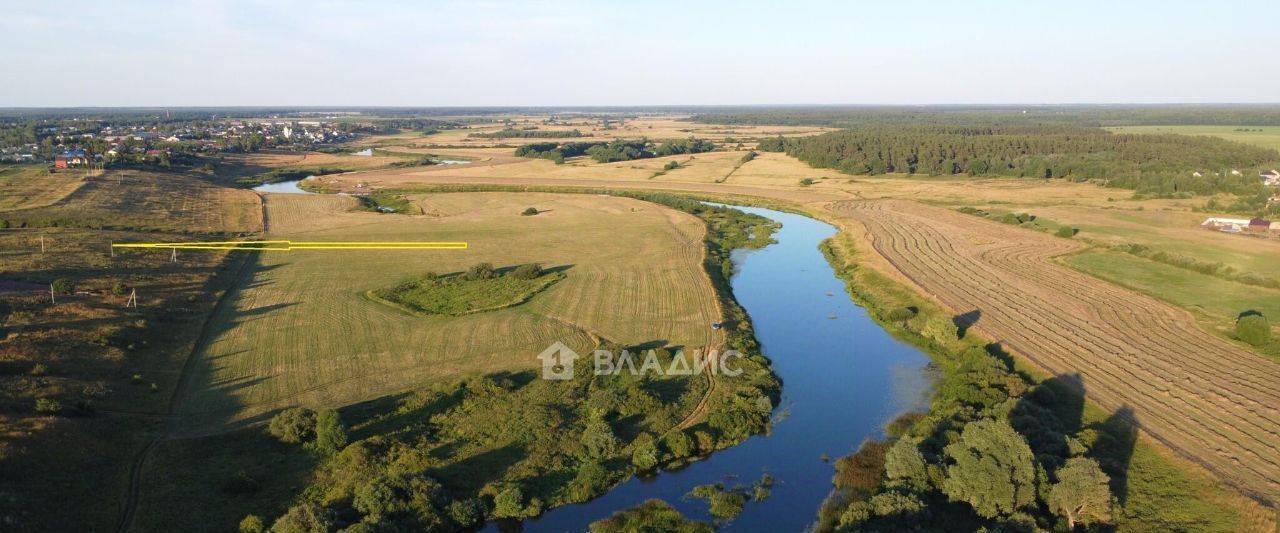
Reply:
x=613, y=151
x=1166, y=164
x=510, y=133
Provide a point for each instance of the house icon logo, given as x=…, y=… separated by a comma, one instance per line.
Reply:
x=557, y=361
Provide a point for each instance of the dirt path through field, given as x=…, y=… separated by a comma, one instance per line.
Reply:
x=1211, y=401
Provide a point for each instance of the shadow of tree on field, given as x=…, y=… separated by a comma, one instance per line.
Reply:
x=474, y=472
x=966, y=320
x=1117, y=437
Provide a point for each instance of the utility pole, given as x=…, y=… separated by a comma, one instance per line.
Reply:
x=111, y=245
x=42, y=244
x=53, y=298
x=174, y=257
x=133, y=299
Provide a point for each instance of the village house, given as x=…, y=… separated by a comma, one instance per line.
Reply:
x=70, y=158
x=1270, y=177
x=1259, y=225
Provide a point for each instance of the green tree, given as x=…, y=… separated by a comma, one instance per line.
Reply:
x=529, y=211
x=644, y=454
x=480, y=271
x=1082, y=494
x=941, y=329
x=599, y=439
x=905, y=466
x=331, y=433
x=252, y=524
x=509, y=503
x=992, y=469
x=527, y=271
x=889, y=503
x=1254, y=329
x=294, y=425
x=678, y=444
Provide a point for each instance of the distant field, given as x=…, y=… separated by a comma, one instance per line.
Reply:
x=162, y=201
x=233, y=166
x=299, y=331
x=1268, y=137
x=27, y=186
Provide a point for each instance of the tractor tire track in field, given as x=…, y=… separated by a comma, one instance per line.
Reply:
x=1211, y=401
x=134, y=492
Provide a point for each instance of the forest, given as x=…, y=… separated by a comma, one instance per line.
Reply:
x=997, y=115
x=1161, y=165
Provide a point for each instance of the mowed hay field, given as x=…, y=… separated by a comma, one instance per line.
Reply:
x=299, y=331
x=150, y=201
x=1208, y=399
x=28, y=186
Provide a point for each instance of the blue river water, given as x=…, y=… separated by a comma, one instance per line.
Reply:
x=844, y=377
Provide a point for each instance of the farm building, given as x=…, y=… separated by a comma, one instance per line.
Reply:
x=1230, y=225
x=1259, y=225
x=70, y=158
x=1270, y=177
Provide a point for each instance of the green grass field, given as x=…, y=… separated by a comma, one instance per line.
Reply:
x=1264, y=136
x=1217, y=301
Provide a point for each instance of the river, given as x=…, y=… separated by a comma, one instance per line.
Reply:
x=843, y=378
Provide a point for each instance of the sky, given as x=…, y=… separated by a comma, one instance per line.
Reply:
x=654, y=52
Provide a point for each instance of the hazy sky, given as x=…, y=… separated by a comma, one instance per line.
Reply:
x=602, y=52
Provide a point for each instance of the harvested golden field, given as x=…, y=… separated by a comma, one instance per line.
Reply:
x=1211, y=401
x=299, y=331
x=237, y=165
x=147, y=201
x=28, y=186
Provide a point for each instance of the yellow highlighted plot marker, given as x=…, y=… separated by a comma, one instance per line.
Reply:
x=288, y=246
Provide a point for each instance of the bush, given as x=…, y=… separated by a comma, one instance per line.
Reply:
x=527, y=271
x=901, y=314
x=1066, y=232
x=806, y=182
x=1254, y=329
x=529, y=211
x=671, y=165
x=118, y=288
x=48, y=406
x=63, y=286
x=293, y=426
x=480, y=271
